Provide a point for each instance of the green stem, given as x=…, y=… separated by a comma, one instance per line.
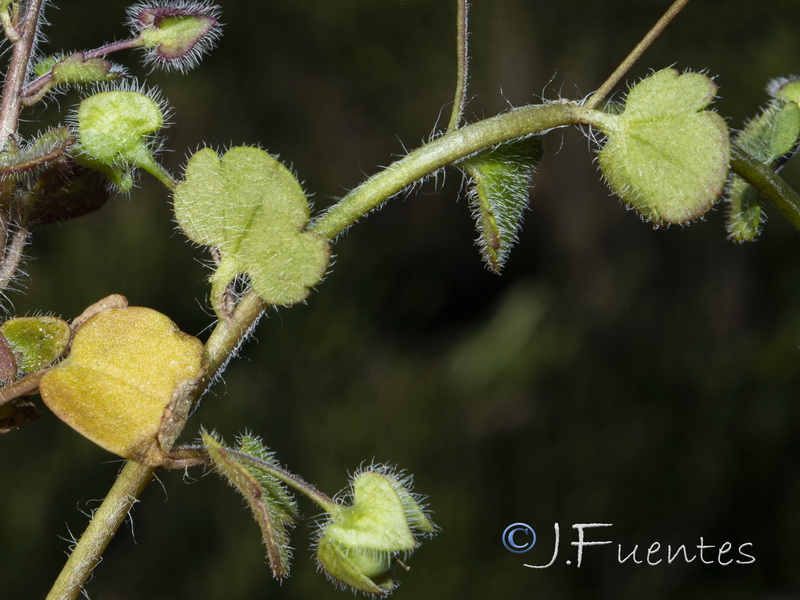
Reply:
x=232, y=330
x=767, y=182
x=308, y=490
x=220, y=347
x=462, y=57
x=105, y=521
x=451, y=147
x=636, y=53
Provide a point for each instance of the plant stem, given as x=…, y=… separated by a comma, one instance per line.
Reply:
x=451, y=147
x=230, y=332
x=767, y=182
x=651, y=36
x=462, y=68
x=105, y=521
x=37, y=88
x=134, y=477
x=323, y=501
x=12, y=255
x=22, y=387
x=11, y=101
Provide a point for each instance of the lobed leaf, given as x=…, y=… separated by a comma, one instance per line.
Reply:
x=250, y=208
x=120, y=385
x=665, y=155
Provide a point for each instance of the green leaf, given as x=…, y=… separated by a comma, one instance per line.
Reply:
x=269, y=500
x=115, y=129
x=665, y=156
x=769, y=137
x=499, y=194
x=250, y=208
x=121, y=384
x=36, y=341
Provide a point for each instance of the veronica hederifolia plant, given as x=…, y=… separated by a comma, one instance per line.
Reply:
x=127, y=378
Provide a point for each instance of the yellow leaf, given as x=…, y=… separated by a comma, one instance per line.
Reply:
x=118, y=384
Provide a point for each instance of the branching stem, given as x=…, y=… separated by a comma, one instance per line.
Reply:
x=38, y=88
x=232, y=331
x=451, y=147
x=220, y=347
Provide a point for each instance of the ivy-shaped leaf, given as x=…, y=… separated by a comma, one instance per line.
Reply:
x=250, y=207
x=121, y=384
x=665, y=156
x=269, y=500
x=500, y=179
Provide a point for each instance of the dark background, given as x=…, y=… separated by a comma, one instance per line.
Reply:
x=612, y=374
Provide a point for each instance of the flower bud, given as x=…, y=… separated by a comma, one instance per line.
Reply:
x=359, y=543
x=176, y=34
x=76, y=69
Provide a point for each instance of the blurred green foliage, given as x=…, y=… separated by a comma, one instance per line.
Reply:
x=613, y=373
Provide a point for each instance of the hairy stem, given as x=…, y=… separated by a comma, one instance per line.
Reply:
x=38, y=88
x=323, y=501
x=105, y=521
x=11, y=101
x=220, y=347
x=462, y=67
x=231, y=331
x=12, y=255
x=651, y=36
x=9, y=26
x=451, y=147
